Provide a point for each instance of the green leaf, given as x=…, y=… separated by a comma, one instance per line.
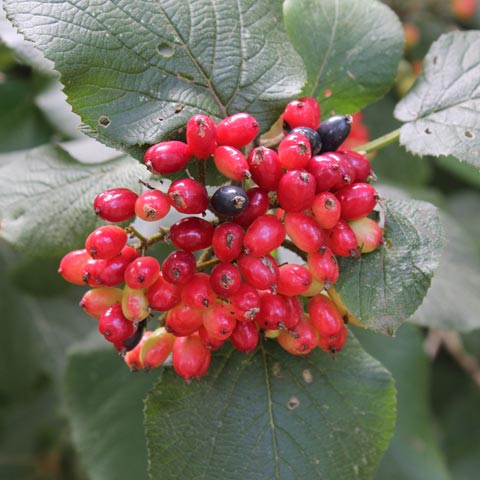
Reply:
x=135, y=71
x=272, y=415
x=453, y=301
x=105, y=407
x=385, y=287
x=413, y=453
x=442, y=110
x=46, y=197
x=351, y=49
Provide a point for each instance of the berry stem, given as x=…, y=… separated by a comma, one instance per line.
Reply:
x=133, y=231
x=379, y=142
x=207, y=263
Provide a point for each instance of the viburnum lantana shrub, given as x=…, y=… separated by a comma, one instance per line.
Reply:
x=271, y=244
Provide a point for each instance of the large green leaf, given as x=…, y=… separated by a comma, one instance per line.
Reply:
x=105, y=407
x=136, y=70
x=442, y=110
x=385, y=287
x=413, y=453
x=46, y=197
x=351, y=49
x=272, y=416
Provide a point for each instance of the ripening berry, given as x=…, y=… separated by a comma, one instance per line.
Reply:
x=198, y=292
x=227, y=241
x=237, y=130
x=231, y=163
x=92, y=273
x=334, y=343
x=211, y=343
x=179, y=267
x=342, y=240
x=132, y=357
x=273, y=312
x=114, y=326
x=135, y=304
x=245, y=336
x=152, y=205
x=326, y=209
x=260, y=272
x=201, y=136
x=218, y=322
x=325, y=316
x=191, y=233
x=266, y=233
x=301, y=340
x=312, y=136
x=188, y=196
x=258, y=204
x=294, y=311
x=265, y=168
x=324, y=266
x=326, y=170
x=357, y=200
x=229, y=200
x=106, y=242
x=293, y=279
x=142, y=272
x=183, y=320
x=245, y=303
x=296, y=190
x=72, y=265
x=97, y=300
x=304, y=231
x=304, y=112
x=368, y=233
x=190, y=358
x=156, y=348
x=294, y=151
x=361, y=164
x=162, y=295
x=333, y=131
x=167, y=157
x=115, y=204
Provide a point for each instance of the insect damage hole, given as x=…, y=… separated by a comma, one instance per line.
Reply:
x=165, y=50
x=104, y=121
x=469, y=134
x=293, y=403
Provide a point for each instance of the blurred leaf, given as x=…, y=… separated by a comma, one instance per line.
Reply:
x=442, y=110
x=413, y=453
x=46, y=197
x=271, y=415
x=464, y=171
x=135, y=71
x=105, y=407
x=464, y=207
x=385, y=287
x=350, y=63
x=453, y=301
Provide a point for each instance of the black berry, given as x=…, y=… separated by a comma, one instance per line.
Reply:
x=229, y=200
x=312, y=136
x=333, y=131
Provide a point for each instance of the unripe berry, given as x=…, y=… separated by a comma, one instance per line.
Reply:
x=342, y=240
x=334, y=343
x=258, y=204
x=97, y=300
x=324, y=266
x=132, y=358
x=245, y=303
x=198, y=292
x=156, y=348
x=294, y=151
x=225, y=279
x=326, y=209
x=134, y=304
x=218, y=322
x=368, y=233
x=183, y=320
x=260, y=272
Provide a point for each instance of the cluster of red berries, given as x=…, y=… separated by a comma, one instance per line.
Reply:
x=223, y=281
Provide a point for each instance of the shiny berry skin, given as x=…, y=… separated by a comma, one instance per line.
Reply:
x=152, y=205
x=333, y=131
x=72, y=265
x=191, y=233
x=211, y=343
x=114, y=326
x=188, y=196
x=293, y=279
x=265, y=233
x=260, y=272
x=326, y=170
x=179, y=267
x=304, y=231
x=92, y=273
x=265, y=168
x=294, y=151
x=135, y=304
x=218, y=322
x=294, y=311
x=156, y=348
x=301, y=340
x=348, y=174
x=368, y=232
x=115, y=204
x=198, y=293
x=225, y=279
x=361, y=164
x=183, y=320
x=245, y=337
x=245, y=303
x=190, y=358
x=231, y=163
x=167, y=157
x=106, y=242
x=312, y=136
x=229, y=200
x=258, y=204
x=357, y=200
x=342, y=240
x=142, y=272
x=326, y=209
x=273, y=312
x=162, y=295
x=201, y=136
x=237, y=130
x=97, y=300
x=296, y=190
x=324, y=266
x=227, y=241
x=334, y=343
x=304, y=112
x=325, y=316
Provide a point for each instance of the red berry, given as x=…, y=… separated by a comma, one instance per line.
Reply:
x=92, y=273
x=156, y=348
x=361, y=164
x=97, y=300
x=72, y=265
x=342, y=240
x=324, y=266
x=183, y=320
x=114, y=326
x=114, y=269
x=152, y=205
x=163, y=295
x=304, y=231
x=265, y=168
x=273, y=312
x=260, y=272
x=132, y=358
x=258, y=204
x=296, y=190
x=191, y=233
x=294, y=311
x=179, y=267
x=368, y=232
x=227, y=241
x=225, y=279
x=167, y=157
x=190, y=358
x=201, y=136
x=142, y=272
x=245, y=337
x=326, y=170
x=188, y=196
x=198, y=292
x=211, y=343
x=293, y=279
x=301, y=340
x=357, y=200
x=237, y=130
x=266, y=233
x=106, y=242
x=325, y=316
x=231, y=163
x=218, y=322
x=334, y=343
x=326, y=209
x=245, y=303
x=294, y=151
x=115, y=204
x=348, y=174
x=304, y=112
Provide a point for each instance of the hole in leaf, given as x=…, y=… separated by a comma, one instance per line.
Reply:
x=185, y=76
x=428, y=131
x=179, y=108
x=469, y=134
x=293, y=403
x=327, y=93
x=104, y=121
x=435, y=60
x=160, y=119
x=165, y=50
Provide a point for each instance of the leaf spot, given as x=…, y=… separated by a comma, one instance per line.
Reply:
x=104, y=121
x=435, y=60
x=185, y=76
x=293, y=403
x=307, y=376
x=276, y=370
x=428, y=131
x=165, y=50
x=179, y=108
x=327, y=93
x=469, y=134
